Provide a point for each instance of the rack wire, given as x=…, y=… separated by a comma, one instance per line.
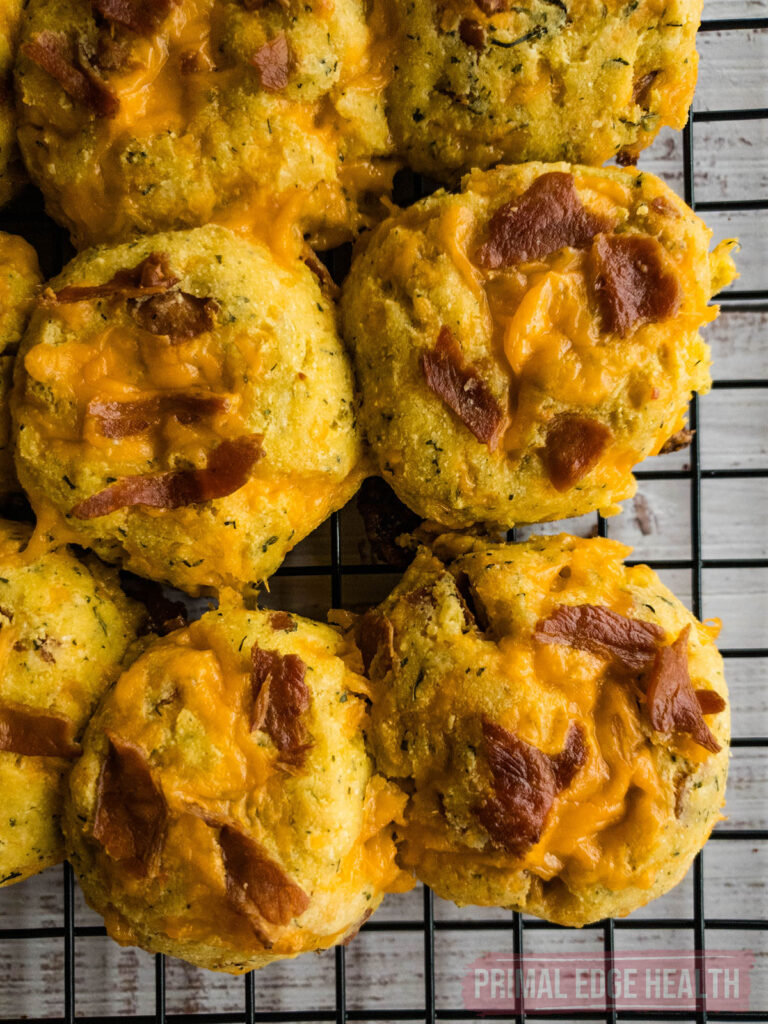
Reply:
x=26, y=217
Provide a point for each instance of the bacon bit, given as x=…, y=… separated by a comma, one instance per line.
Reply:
x=257, y=886
x=177, y=315
x=677, y=442
x=491, y=6
x=664, y=207
x=34, y=733
x=642, y=87
x=472, y=33
x=462, y=388
x=375, y=635
x=573, y=447
x=150, y=277
x=710, y=702
x=280, y=697
x=385, y=518
x=672, y=703
x=631, y=282
x=681, y=788
x=282, y=622
x=624, y=158
x=131, y=812
x=68, y=64
x=525, y=782
x=126, y=419
x=227, y=471
x=163, y=615
x=589, y=627
x=141, y=16
x=273, y=63
x=323, y=274
x=111, y=55
x=548, y=216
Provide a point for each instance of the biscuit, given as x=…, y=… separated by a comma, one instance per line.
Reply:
x=138, y=118
x=184, y=406
x=521, y=345
x=225, y=810
x=12, y=174
x=19, y=285
x=562, y=719
x=481, y=82
x=65, y=627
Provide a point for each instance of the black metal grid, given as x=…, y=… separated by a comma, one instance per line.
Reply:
x=25, y=217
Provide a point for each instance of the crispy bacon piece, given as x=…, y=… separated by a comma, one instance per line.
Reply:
x=283, y=622
x=227, y=471
x=67, y=62
x=677, y=442
x=176, y=315
x=631, y=283
x=472, y=33
x=475, y=611
x=280, y=697
x=672, y=703
x=375, y=634
x=126, y=419
x=141, y=16
x=633, y=643
x=150, y=277
x=573, y=447
x=548, y=216
x=642, y=87
x=25, y=730
x=131, y=812
x=257, y=886
x=462, y=388
x=273, y=63
x=525, y=782
x=710, y=702
x=385, y=518
x=492, y=6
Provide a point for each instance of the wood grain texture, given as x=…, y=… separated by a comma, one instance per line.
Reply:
x=384, y=970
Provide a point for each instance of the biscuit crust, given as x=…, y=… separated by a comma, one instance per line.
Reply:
x=470, y=687
x=482, y=82
x=512, y=369
x=66, y=628
x=230, y=782
x=268, y=118
x=194, y=427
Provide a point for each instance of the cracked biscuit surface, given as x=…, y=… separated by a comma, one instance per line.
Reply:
x=561, y=717
x=481, y=82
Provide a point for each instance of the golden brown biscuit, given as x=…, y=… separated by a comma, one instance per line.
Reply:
x=185, y=407
x=562, y=719
x=225, y=809
x=65, y=627
x=481, y=82
x=137, y=118
x=521, y=345
x=19, y=286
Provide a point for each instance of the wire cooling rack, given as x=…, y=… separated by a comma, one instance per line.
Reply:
x=349, y=580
